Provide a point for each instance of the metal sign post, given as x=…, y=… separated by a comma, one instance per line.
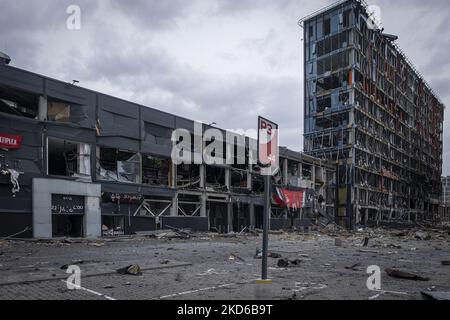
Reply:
x=268, y=160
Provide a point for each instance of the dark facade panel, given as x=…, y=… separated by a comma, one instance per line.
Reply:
x=83, y=115
x=119, y=143
x=181, y=123
x=69, y=93
x=134, y=189
x=118, y=118
x=194, y=223
x=279, y=224
x=20, y=203
x=158, y=117
x=162, y=150
x=19, y=79
x=13, y=223
x=70, y=133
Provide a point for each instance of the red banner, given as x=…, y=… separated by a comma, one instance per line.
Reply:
x=10, y=141
x=289, y=199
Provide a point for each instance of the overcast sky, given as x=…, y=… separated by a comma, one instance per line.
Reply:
x=223, y=61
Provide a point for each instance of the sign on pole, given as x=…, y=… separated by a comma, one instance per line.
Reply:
x=268, y=156
x=268, y=161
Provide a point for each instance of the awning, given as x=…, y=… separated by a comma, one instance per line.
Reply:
x=289, y=199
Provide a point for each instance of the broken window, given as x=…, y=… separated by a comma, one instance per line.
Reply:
x=238, y=179
x=67, y=158
x=118, y=165
x=155, y=170
x=347, y=18
x=215, y=178
x=257, y=183
x=58, y=111
x=18, y=102
x=189, y=205
x=188, y=176
x=327, y=26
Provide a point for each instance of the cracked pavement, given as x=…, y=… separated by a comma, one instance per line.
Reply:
x=203, y=267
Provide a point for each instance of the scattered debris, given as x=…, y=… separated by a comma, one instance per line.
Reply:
x=235, y=257
x=284, y=263
x=302, y=286
x=134, y=270
x=338, y=242
x=165, y=262
x=404, y=275
x=421, y=235
x=97, y=244
x=445, y=263
x=108, y=286
x=274, y=255
x=436, y=295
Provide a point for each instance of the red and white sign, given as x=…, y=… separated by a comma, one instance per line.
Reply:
x=289, y=199
x=268, y=143
x=10, y=141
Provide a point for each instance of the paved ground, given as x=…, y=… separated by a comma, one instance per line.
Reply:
x=201, y=268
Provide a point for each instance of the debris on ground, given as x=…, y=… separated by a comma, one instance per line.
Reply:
x=284, y=263
x=235, y=257
x=97, y=244
x=108, y=286
x=404, y=275
x=134, y=270
x=259, y=254
x=274, y=255
x=338, y=242
x=421, y=235
x=445, y=263
x=436, y=295
x=181, y=233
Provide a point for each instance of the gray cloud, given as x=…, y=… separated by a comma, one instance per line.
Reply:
x=137, y=50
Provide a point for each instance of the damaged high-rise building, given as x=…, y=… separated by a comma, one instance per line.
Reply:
x=369, y=111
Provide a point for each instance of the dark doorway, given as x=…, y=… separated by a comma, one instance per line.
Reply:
x=67, y=226
x=259, y=217
x=218, y=217
x=241, y=217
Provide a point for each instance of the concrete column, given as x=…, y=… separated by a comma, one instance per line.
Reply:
x=285, y=171
x=42, y=108
x=313, y=175
x=174, y=209
x=92, y=220
x=174, y=175
x=203, y=198
x=228, y=178
x=252, y=215
x=230, y=216
x=202, y=176
x=249, y=178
